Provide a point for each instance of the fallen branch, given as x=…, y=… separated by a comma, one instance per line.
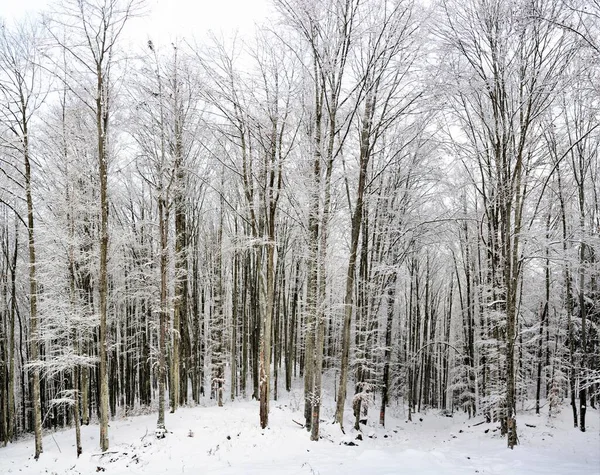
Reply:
x=56, y=443
x=301, y=425
x=104, y=453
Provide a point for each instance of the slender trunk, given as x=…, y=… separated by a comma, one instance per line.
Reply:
x=181, y=350
x=290, y=361
x=354, y=236
x=33, y=322
x=313, y=270
x=391, y=299
x=85, y=394
x=11, y=422
x=568, y=298
x=4, y=339
x=583, y=313
x=234, y=326
x=218, y=321
x=75, y=336
x=163, y=317
x=101, y=127
x=321, y=290
x=318, y=376
x=76, y=410
x=245, y=324
x=268, y=287
x=543, y=321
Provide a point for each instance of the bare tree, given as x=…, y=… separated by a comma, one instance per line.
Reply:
x=514, y=66
x=328, y=29
x=99, y=25
x=384, y=60
x=20, y=87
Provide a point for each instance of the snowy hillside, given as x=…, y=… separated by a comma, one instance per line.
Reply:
x=228, y=440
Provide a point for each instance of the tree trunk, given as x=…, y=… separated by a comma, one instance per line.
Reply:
x=101, y=127
x=76, y=410
x=290, y=360
x=234, y=326
x=354, y=236
x=391, y=300
x=267, y=287
x=11, y=412
x=33, y=317
x=583, y=313
x=163, y=316
x=543, y=320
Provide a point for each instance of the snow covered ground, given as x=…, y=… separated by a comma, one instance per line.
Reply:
x=228, y=440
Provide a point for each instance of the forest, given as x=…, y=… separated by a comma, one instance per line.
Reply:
x=397, y=198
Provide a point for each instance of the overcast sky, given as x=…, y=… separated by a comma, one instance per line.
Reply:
x=171, y=18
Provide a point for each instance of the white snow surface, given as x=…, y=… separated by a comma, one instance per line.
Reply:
x=228, y=440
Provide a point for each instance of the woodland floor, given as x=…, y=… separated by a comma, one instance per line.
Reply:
x=228, y=440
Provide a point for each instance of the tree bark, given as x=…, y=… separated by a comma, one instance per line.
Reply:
x=354, y=237
x=163, y=316
x=33, y=317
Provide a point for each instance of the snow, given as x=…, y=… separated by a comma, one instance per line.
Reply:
x=228, y=440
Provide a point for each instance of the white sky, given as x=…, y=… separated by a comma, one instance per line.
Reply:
x=195, y=17
x=170, y=19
